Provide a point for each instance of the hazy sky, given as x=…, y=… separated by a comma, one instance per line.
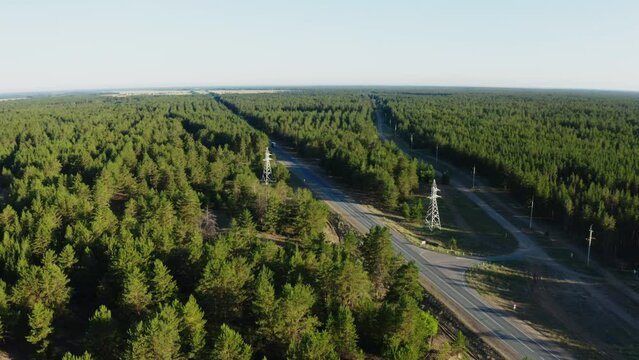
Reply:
x=65, y=44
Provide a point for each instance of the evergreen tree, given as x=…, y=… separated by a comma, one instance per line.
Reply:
x=272, y=215
x=66, y=259
x=408, y=329
x=406, y=283
x=353, y=286
x=40, y=327
x=224, y=285
x=417, y=210
x=247, y=230
x=194, y=338
x=46, y=284
x=102, y=334
x=390, y=193
x=163, y=286
x=229, y=345
x=264, y=304
x=378, y=258
x=315, y=345
x=293, y=317
x=343, y=333
x=136, y=294
x=308, y=216
x=406, y=211
x=157, y=338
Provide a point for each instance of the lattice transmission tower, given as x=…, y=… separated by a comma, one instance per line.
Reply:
x=266, y=174
x=432, y=215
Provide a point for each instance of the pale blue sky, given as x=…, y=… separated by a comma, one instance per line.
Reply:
x=66, y=44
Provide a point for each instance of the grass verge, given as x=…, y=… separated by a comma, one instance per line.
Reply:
x=466, y=229
x=560, y=310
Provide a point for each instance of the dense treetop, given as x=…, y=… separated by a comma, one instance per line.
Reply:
x=338, y=129
x=577, y=153
x=114, y=243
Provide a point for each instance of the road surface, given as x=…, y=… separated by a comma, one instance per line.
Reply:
x=443, y=274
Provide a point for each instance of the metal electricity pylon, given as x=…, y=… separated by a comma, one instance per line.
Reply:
x=266, y=174
x=432, y=215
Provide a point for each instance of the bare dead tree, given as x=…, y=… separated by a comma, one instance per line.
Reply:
x=208, y=226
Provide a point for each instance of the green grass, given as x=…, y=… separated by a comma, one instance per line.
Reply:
x=474, y=232
x=560, y=310
x=559, y=252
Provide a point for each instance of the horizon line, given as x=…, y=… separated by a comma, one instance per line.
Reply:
x=307, y=86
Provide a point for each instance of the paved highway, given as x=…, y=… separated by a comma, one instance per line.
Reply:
x=443, y=274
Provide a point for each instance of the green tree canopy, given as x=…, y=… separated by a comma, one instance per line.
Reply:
x=230, y=346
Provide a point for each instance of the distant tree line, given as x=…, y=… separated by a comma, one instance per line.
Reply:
x=577, y=154
x=338, y=129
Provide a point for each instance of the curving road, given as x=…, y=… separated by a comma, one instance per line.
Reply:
x=441, y=274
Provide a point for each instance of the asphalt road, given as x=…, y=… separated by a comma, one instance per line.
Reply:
x=442, y=273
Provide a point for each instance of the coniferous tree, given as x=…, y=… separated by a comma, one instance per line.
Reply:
x=408, y=329
x=194, y=338
x=136, y=295
x=378, y=258
x=229, y=345
x=66, y=259
x=224, y=284
x=353, y=286
x=163, y=285
x=405, y=283
x=314, y=345
x=102, y=335
x=406, y=211
x=292, y=317
x=341, y=327
x=40, y=327
x=157, y=338
x=264, y=304
x=46, y=284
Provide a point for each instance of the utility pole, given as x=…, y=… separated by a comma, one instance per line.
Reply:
x=436, y=156
x=473, y=177
x=395, y=131
x=266, y=173
x=411, y=141
x=532, y=205
x=589, y=238
x=432, y=215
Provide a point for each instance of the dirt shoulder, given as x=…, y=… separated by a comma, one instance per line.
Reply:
x=558, y=308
